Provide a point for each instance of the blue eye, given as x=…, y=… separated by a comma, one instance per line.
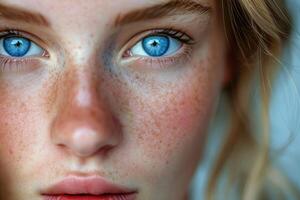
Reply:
x=16, y=46
x=156, y=46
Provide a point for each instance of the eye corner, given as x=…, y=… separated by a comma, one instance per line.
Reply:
x=126, y=54
x=46, y=54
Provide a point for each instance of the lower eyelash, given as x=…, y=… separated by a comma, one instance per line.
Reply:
x=163, y=62
x=16, y=65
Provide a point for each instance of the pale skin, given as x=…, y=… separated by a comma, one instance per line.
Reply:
x=84, y=107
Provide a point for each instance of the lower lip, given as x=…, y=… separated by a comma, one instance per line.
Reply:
x=92, y=197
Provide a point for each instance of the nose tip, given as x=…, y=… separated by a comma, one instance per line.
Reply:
x=86, y=142
x=85, y=138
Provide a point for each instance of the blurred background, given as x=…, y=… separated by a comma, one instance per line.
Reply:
x=284, y=116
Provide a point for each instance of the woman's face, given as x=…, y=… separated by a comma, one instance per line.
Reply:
x=106, y=91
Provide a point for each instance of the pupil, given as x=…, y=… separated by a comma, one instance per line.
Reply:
x=18, y=44
x=154, y=44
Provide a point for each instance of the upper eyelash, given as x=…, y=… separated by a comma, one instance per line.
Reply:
x=176, y=34
x=180, y=35
x=7, y=33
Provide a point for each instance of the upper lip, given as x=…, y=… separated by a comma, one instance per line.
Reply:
x=92, y=185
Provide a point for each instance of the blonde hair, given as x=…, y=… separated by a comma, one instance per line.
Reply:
x=256, y=31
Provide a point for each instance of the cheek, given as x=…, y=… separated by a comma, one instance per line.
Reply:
x=167, y=121
x=166, y=118
x=20, y=125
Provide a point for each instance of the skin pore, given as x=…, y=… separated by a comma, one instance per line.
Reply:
x=89, y=105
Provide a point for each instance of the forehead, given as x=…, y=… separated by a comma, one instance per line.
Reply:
x=68, y=17
x=74, y=10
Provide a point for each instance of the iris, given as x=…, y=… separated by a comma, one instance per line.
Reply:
x=156, y=46
x=16, y=46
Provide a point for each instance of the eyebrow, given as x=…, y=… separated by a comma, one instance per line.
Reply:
x=171, y=8
x=22, y=15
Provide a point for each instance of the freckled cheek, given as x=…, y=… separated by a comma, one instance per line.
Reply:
x=169, y=126
x=171, y=120
x=20, y=127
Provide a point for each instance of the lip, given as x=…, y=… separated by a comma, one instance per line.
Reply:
x=87, y=188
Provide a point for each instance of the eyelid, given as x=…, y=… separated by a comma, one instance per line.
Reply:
x=173, y=61
x=34, y=39
x=20, y=65
x=143, y=34
x=138, y=49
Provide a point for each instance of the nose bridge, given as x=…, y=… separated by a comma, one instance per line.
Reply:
x=83, y=90
x=84, y=123
x=80, y=97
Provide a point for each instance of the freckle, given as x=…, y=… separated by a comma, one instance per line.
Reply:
x=92, y=35
x=11, y=152
x=50, y=91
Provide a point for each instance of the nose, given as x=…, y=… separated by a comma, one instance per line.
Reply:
x=84, y=124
